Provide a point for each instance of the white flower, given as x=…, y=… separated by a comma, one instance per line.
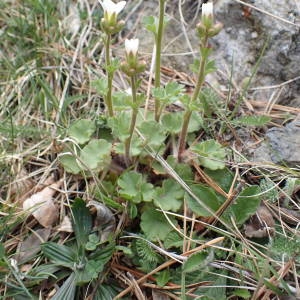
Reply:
x=131, y=46
x=207, y=10
x=110, y=8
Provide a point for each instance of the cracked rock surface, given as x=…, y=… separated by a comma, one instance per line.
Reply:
x=282, y=145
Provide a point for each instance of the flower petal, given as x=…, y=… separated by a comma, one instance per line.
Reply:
x=132, y=46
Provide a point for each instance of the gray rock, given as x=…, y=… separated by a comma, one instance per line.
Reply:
x=238, y=46
x=282, y=145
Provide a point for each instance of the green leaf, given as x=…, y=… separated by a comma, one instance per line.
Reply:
x=135, y=188
x=172, y=122
x=93, y=242
x=291, y=184
x=103, y=254
x=155, y=225
x=194, y=67
x=96, y=155
x=2, y=251
x=151, y=24
x=163, y=278
x=132, y=210
x=67, y=290
x=242, y=293
x=91, y=271
x=125, y=250
x=169, y=196
x=120, y=125
x=173, y=239
x=90, y=246
x=246, y=204
x=284, y=246
x=210, y=154
x=82, y=130
x=59, y=254
x=82, y=222
x=168, y=94
x=106, y=292
x=101, y=86
x=135, y=146
x=256, y=121
x=222, y=177
x=69, y=163
x=93, y=238
x=207, y=195
x=183, y=170
x=153, y=133
x=210, y=67
x=197, y=261
x=196, y=122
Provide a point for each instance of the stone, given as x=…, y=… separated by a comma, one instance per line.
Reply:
x=281, y=146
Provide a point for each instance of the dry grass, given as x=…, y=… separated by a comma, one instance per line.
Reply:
x=48, y=61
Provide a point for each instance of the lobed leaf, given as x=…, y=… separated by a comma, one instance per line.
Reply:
x=82, y=130
x=210, y=154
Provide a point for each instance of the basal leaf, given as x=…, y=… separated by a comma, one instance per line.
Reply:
x=172, y=122
x=197, y=261
x=96, y=155
x=82, y=130
x=2, y=251
x=169, y=196
x=91, y=271
x=207, y=195
x=246, y=204
x=155, y=225
x=59, y=254
x=223, y=177
x=103, y=254
x=163, y=278
x=67, y=290
x=82, y=221
x=242, y=293
x=69, y=163
x=210, y=154
x=183, y=170
x=153, y=133
x=120, y=125
x=134, y=187
x=256, y=121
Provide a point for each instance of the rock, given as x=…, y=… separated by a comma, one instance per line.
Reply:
x=281, y=146
x=244, y=37
x=239, y=45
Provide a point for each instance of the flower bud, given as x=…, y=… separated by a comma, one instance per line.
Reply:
x=131, y=47
x=215, y=29
x=207, y=14
x=111, y=10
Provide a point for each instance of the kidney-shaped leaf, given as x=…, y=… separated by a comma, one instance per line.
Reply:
x=96, y=155
x=82, y=130
x=207, y=196
x=210, y=154
x=246, y=204
x=155, y=225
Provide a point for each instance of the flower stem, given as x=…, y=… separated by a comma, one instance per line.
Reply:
x=158, y=53
x=188, y=112
x=133, y=119
x=108, y=98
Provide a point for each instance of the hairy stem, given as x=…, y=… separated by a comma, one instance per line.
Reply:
x=188, y=112
x=158, y=54
x=133, y=120
x=108, y=98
